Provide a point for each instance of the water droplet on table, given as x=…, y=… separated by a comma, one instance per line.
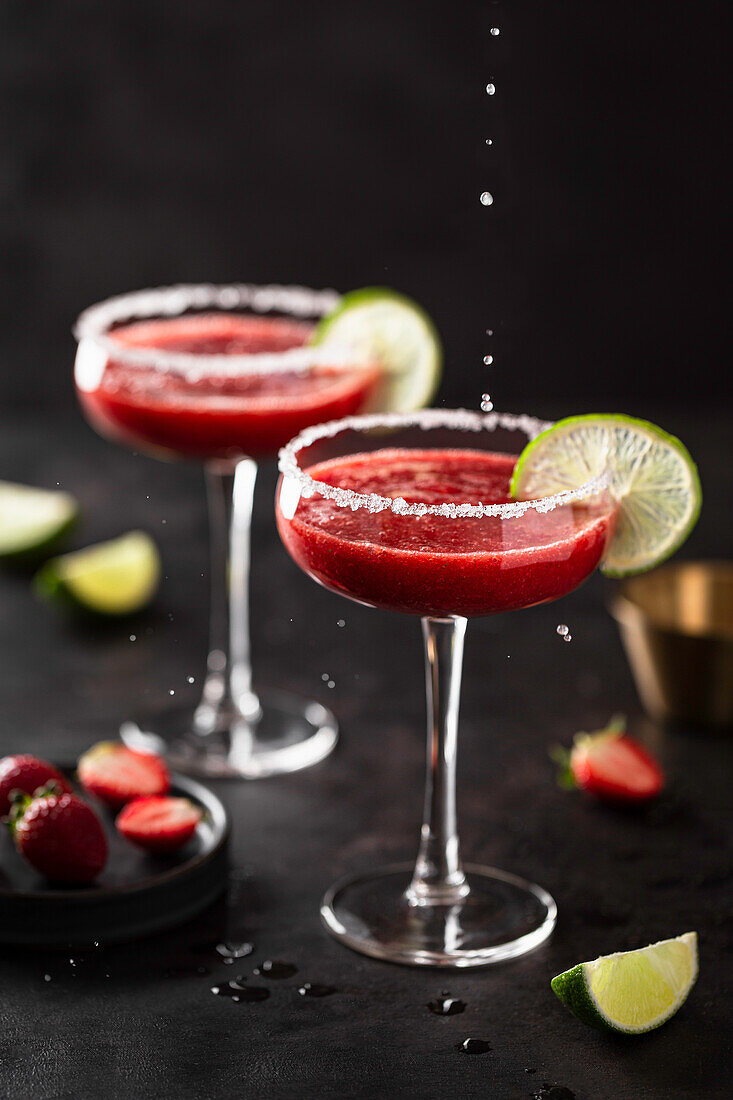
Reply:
x=315, y=989
x=241, y=993
x=276, y=969
x=474, y=1046
x=234, y=950
x=447, y=1006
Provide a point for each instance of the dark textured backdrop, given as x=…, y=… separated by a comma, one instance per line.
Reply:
x=341, y=143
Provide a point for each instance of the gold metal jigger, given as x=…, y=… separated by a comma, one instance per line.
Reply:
x=676, y=625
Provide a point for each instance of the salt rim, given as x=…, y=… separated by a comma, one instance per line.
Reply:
x=170, y=301
x=460, y=419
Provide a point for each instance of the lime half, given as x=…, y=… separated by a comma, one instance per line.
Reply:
x=111, y=578
x=632, y=991
x=653, y=478
x=32, y=520
x=394, y=331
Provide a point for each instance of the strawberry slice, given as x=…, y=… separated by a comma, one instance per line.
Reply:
x=159, y=824
x=116, y=774
x=26, y=773
x=59, y=835
x=611, y=765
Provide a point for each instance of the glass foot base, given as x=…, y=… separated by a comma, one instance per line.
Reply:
x=502, y=916
x=291, y=733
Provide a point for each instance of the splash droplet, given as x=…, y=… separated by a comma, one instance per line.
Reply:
x=171, y=692
x=341, y=622
x=489, y=332
x=488, y=360
x=490, y=89
x=489, y=141
x=568, y=638
x=325, y=676
x=133, y=637
x=191, y=679
x=562, y=629
x=486, y=198
x=486, y=403
x=495, y=31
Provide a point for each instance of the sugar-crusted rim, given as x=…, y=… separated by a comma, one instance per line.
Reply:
x=427, y=419
x=93, y=325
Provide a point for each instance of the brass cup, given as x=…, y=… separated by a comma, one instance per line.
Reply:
x=676, y=625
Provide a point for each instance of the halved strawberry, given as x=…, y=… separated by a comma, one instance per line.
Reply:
x=159, y=824
x=59, y=835
x=611, y=765
x=26, y=773
x=116, y=774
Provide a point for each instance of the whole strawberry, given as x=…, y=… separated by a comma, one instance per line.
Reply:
x=59, y=835
x=26, y=773
x=115, y=774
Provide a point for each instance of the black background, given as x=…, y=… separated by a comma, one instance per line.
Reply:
x=343, y=144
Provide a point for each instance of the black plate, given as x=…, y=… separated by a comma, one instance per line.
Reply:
x=136, y=894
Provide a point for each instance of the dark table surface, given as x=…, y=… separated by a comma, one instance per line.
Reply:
x=139, y=1020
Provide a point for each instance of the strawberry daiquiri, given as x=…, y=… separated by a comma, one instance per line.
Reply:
x=212, y=410
x=413, y=513
x=432, y=565
x=222, y=375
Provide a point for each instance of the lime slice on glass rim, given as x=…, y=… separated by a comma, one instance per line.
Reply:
x=632, y=991
x=33, y=520
x=110, y=578
x=653, y=479
x=394, y=331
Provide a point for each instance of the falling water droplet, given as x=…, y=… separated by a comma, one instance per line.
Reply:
x=486, y=403
x=341, y=622
x=490, y=89
x=191, y=679
x=562, y=629
x=488, y=360
x=495, y=31
x=47, y=977
x=489, y=141
x=171, y=692
x=325, y=676
x=489, y=332
x=133, y=637
x=568, y=638
x=486, y=198
x=331, y=684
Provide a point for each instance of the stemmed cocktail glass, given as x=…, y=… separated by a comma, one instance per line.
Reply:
x=413, y=513
x=222, y=375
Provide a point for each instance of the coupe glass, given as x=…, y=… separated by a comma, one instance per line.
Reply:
x=221, y=375
x=373, y=507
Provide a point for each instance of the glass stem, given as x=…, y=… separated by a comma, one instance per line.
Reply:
x=438, y=878
x=227, y=693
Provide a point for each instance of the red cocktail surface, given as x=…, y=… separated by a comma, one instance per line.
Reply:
x=210, y=415
x=435, y=565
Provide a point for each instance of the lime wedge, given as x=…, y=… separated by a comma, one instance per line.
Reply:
x=654, y=481
x=111, y=578
x=394, y=331
x=32, y=520
x=632, y=991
